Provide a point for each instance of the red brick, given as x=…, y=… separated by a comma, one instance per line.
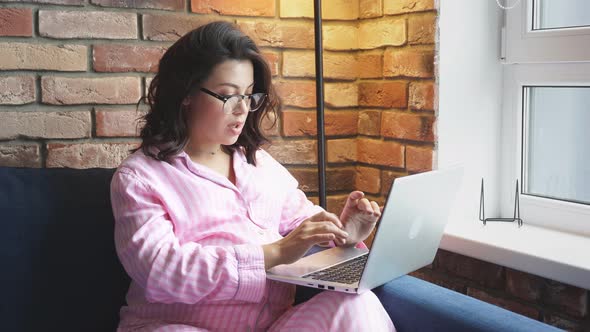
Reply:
x=572, y=300
x=335, y=203
x=87, y=24
x=370, y=64
x=336, y=65
x=52, y=124
x=378, y=152
x=340, y=36
x=299, y=94
x=408, y=63
x=484, y=273
x=307, y=178
x=504, y=303
x=19, y=56
x=422, y=96
x=523, y=285
x=16, y=22
x=299, y=123
x=368, y=179
x=20, y=155
x=421, y=28
x=393, y=7
x=418, y=159
x=386, y=31
x=337, y=179
x=410, y=126
x=341, y=94
x=370, y=8
x=341, y=150
x=383, y=94
x=440, y=280
x=113, y=122
x=566, y=324
x=300, y=152
x=270, y=125
x=304, y=123
x=273, y=59
x=285, y=34
x=82, y=90
x=340, y=122
x=340, y=9
x=569, y=299
x=148, y=4
x=340, y=179
x=126, y=58
x=17, y=90
x=387, y=178
x=369, y=123
x=236, y=7
x=172, y=26
x=314, y=199
x=88, y=155
x=56, y=2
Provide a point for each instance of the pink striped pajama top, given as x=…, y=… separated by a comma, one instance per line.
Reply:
x=191, y=240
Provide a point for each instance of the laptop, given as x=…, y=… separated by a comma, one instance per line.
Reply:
x=407, y=238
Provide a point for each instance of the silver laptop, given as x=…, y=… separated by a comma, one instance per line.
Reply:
x=407, y=238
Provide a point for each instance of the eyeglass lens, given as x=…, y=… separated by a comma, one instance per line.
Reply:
x=253, y=102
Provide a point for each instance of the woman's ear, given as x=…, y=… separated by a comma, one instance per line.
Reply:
x=186, y=101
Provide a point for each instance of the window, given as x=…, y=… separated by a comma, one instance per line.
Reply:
x=541, y=31
x=546, y=113
x=555, y=159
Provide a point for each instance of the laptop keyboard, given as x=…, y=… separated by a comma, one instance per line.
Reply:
x=348, y=272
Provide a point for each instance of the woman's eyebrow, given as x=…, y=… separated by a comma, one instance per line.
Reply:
x=234, y=85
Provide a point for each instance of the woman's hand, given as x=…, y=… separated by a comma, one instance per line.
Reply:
x=321, y=227
x=359, y=217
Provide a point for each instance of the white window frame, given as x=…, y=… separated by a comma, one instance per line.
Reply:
x=522, y=44
x=553, y=57
x=544, y=212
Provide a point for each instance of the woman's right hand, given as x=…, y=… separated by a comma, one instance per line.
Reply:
x=322, y=227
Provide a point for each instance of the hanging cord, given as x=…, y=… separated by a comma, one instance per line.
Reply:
x=507, y=7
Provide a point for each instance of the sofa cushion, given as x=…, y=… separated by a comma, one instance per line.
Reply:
x=60, y=271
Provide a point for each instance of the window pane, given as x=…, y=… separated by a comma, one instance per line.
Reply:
x=556, y=143
x=555, y=14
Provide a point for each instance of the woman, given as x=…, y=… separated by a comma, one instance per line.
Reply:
x=202, y=212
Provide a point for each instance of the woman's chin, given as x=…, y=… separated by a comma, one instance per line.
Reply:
x=230, y=141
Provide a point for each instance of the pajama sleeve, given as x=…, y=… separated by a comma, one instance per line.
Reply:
x=296, y=207
x=171, y=272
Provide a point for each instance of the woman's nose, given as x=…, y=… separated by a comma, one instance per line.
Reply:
x=243, y=106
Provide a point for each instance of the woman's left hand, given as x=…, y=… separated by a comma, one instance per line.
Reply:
x=358, y=217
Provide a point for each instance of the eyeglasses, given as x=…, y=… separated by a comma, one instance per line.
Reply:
x=232, y=102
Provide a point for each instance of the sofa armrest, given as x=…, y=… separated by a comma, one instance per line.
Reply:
x=416, y=305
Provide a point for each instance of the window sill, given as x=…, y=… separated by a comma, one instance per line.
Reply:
x=540, y=251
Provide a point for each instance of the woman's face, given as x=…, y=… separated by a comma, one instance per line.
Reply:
x=208, y=124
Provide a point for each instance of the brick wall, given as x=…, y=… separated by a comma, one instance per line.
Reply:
x=72, y=70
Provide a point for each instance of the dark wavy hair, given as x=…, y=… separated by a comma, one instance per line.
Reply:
x=182, y=70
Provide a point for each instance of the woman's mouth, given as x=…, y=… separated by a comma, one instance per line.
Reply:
x=236, y=127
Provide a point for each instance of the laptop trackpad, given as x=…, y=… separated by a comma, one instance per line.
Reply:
x=317, y=261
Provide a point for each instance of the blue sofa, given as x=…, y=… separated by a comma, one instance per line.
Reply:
x=60, y=271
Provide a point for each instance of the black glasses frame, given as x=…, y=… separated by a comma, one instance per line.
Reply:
x=224, y=99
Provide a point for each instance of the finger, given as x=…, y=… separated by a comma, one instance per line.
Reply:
x=319, y=238
x=376, y=209
x=353, y=199
x=365, y=205
x=328, y=227
x=340, y=241
x=327, y=216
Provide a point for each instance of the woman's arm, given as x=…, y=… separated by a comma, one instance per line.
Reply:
x=168, y=271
